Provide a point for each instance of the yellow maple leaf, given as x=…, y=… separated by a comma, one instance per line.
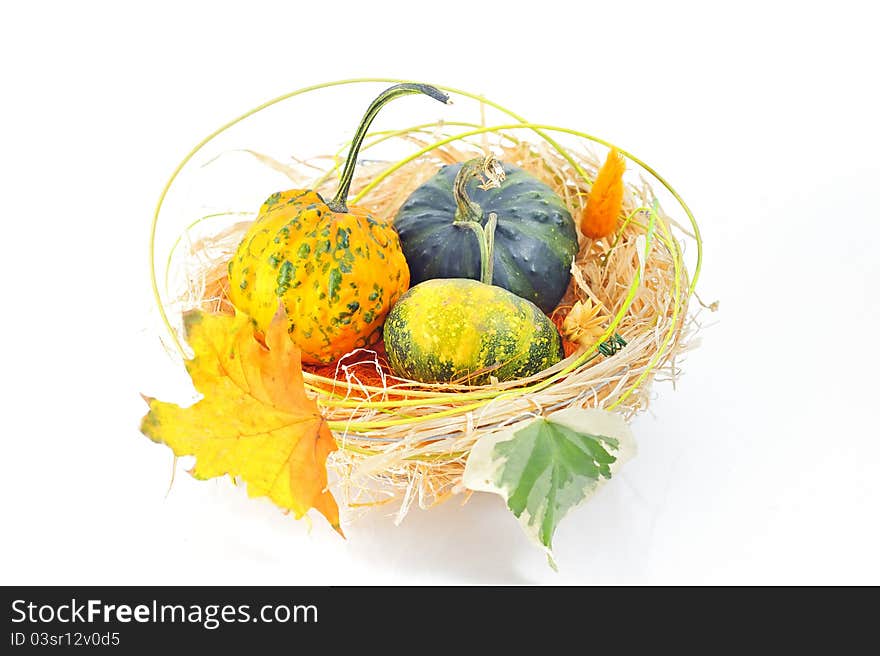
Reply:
x=255, y=420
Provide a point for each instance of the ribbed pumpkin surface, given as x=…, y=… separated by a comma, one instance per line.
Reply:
x=535, y=240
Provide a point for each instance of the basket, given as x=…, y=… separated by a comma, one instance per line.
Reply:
x=401, y=441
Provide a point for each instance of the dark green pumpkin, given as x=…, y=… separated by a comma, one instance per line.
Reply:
x=535, y=238
x=461, y=330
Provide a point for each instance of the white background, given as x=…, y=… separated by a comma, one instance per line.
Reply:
x=761, y=467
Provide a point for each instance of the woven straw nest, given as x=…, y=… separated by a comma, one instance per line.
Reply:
x=406, y=442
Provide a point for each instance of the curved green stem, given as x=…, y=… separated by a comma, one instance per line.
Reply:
x=338, y=204
x=469, y=214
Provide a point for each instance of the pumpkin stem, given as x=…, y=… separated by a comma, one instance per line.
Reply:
x=338, y=203
x=487, y=258
x=469, y=214
x=491, y=174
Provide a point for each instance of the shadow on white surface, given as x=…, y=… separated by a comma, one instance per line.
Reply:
x=223, y=537
x=477, y=542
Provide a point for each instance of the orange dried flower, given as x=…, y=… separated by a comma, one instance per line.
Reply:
x=584, y=324
x=606, y=198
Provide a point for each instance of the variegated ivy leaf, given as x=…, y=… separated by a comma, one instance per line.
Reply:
x=545, y=467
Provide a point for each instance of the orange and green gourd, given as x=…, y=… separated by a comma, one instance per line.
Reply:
x=335, y=271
